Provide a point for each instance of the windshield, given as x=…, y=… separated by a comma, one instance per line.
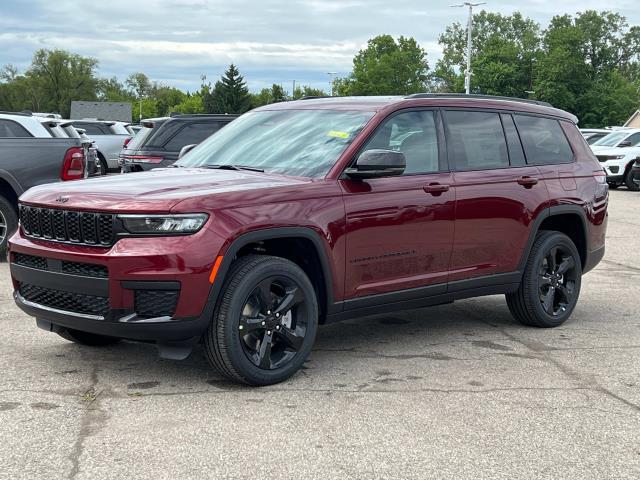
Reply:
x=612, y=139
x=303, y=143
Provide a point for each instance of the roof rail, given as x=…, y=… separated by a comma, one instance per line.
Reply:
x=485, y=97
x=199, y=115
x=312, y=97
x=22, y=114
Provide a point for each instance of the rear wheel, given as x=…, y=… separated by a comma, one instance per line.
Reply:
x=8, y=223
x=550, y=284
x=86, y=338
x=265, y=324
x=628, y=181
x=104, y=168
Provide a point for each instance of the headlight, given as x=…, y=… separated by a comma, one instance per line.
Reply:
x=152, y=224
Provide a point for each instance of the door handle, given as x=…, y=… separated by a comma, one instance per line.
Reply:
x=436, y=189
x=527, y=182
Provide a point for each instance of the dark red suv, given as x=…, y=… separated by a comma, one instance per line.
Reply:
x=309, y=212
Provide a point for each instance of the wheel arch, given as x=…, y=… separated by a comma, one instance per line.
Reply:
x=302, y=245
x=9, y=187
x=568, y=219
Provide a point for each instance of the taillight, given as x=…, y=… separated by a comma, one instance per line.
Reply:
x=73, y=164
x=126, y=142
x=143, y=159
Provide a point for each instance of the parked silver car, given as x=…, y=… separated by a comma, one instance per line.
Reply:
x=109, y=138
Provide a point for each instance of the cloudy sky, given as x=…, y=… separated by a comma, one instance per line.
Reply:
x=272, y=41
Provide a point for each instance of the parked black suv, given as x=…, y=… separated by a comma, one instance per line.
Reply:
x=160, y=141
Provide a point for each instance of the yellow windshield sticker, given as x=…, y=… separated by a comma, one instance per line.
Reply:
x=336, y=134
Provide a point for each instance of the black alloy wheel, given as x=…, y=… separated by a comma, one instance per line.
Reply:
x=272, y=327
x=265, y=322
x=557, y=280
x=550, y=285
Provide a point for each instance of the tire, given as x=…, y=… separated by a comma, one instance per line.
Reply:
x=86, y=338
x=104, y=168
x=628, y=181
x=540, y=287
x=8, y=223
x=246, y=341
x=613, y=186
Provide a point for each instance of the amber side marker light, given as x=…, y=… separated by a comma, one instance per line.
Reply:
x=214, y=270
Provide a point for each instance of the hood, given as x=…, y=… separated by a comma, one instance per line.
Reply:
x=155, y=191
x=615, y=151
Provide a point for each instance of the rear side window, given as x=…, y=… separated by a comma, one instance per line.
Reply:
x=475, y=140
x=9, y=129
x=192, y=133
x=543, y=140
x=92, y=128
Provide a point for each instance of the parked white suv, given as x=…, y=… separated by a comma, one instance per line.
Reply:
x=109, y=138
x=16, y=124
x=617, y=152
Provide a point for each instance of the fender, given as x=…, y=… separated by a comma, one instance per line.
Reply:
x=547, y=213
x=13, y=183
x=270, y=234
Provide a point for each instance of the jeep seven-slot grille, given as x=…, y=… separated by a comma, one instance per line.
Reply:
x=67, y=226
x=66, y=301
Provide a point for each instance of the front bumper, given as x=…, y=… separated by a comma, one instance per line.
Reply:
x=151, y=289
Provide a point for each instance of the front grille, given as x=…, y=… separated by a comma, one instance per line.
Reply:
x=85, y=269
x=31, y=261
x=156, y=303
x=68, y=226
x=67, y=301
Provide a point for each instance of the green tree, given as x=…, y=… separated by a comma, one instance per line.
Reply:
x=230, y=94
x=59, y=77
x=589, y=65
x=503, y=55
x=111, y=90
x=307, y=91
x=266, y=96
x=387, y=67
x=189, y=104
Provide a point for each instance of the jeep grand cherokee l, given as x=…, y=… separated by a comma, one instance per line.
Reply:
x=304, y=213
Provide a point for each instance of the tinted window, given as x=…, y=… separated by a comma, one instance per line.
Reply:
x=543, y=140
x=634, y=139
x=91, y=128
x=594, y=138
x=415, y=135
x=139, y=139
x=12, y=129
x=192, y=133
x=475, y=140
x=516, y=155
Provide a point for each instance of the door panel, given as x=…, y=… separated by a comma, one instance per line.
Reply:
x=398, y=235
x=493, y=218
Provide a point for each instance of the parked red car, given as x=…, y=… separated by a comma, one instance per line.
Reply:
x=308, y=212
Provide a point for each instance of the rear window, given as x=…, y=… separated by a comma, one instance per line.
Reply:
x=139, y=139
x=11, y=129
x=543, y=140
x=192, y=133
x=93, y=128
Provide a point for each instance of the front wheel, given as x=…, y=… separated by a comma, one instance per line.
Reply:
x=550, y=285
x=265, y=323
x=8, y=223
x=629, y=181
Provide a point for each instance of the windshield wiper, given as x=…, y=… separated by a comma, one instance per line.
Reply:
x=233, y=167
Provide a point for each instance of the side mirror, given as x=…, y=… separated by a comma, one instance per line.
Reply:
x=625, y=143
x=378, y=163
x=186, y=149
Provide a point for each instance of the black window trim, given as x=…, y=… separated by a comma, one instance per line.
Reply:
x=443, y=164
x=9, y=120
x=549, y=117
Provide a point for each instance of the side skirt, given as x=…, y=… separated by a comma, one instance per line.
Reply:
x=427, y=296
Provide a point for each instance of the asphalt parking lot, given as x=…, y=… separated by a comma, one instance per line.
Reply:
x=458, y=391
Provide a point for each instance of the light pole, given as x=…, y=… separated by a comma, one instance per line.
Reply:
x=467, y=80
x=332, y=76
